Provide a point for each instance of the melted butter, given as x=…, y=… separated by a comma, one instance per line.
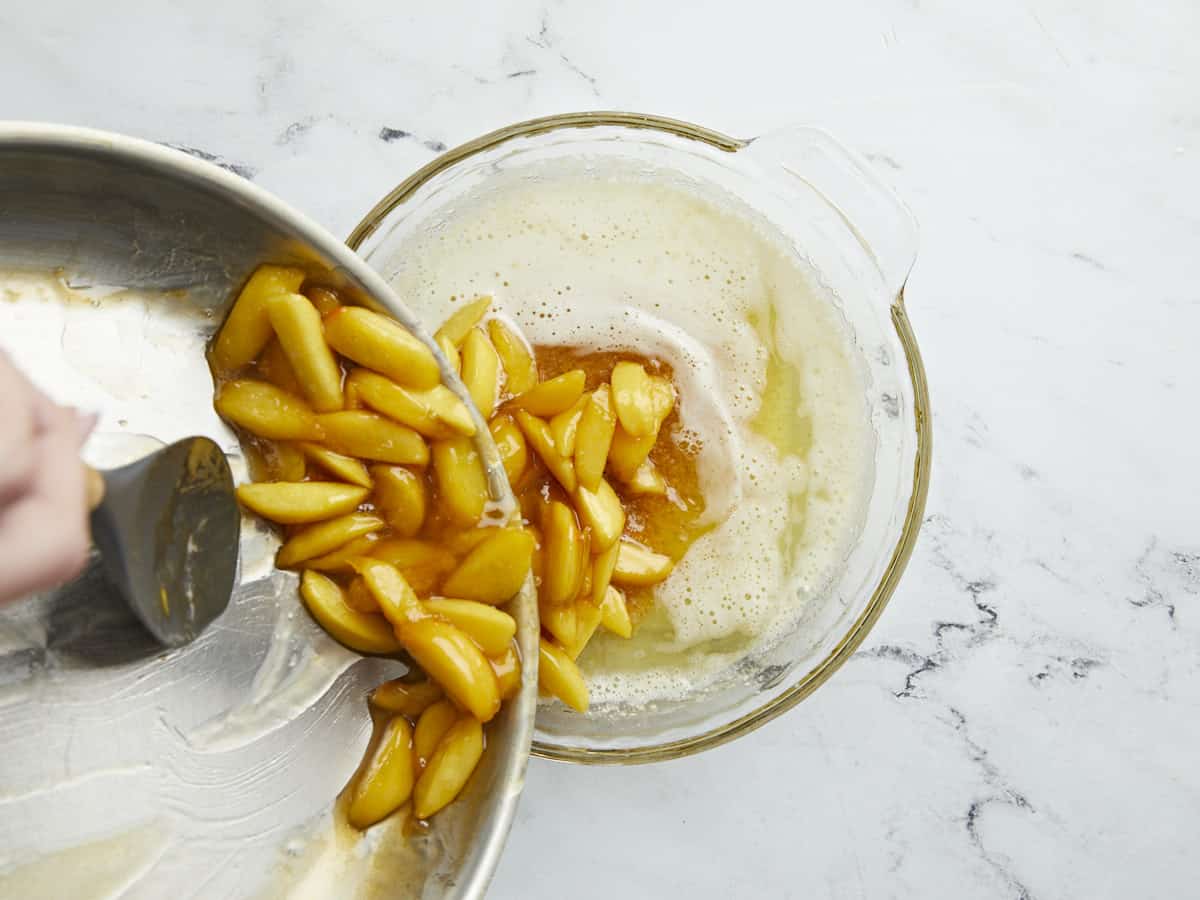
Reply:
x=102, y=868
x=777, y=420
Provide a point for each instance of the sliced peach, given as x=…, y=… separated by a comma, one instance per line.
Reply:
x=462, y=487
x=450, y=768
x=559, y=675
x=387, y=783
x=381, y=344
x=537, y=433
x=520, y=371
x=456, y=328
x=594, y=437
x=367, y=435
x=495, y=570
x=247, y=328
x=453, y=660
x=364, y=632
x=297, y=325
x=481, y=371
x=266, y=411
x=551, y=397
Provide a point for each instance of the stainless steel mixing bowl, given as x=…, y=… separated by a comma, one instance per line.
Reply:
x=211, y=770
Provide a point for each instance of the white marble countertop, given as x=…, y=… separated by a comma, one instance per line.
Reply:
x=1023, y=721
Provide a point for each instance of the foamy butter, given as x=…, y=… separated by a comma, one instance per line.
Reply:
x=768, y=381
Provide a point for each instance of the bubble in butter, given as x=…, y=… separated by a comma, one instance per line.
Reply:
x=770, y=383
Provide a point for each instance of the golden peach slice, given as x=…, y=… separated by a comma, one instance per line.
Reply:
x=381, y=344
x=367, y=435
x=325, y=300
x=594, y=437
x=564, y=426
x=662, y=399
x=562, y=556
x=640, y=566
x=602, y=569
x=560, y=676
x=364, y=632
x=450, y=768
x=273, y=366
x=324, y=537
x=559, y=622
x=284, y=460
x=408, y=698
x=344, y=467
x=491, y=628
x=456, y=328
x=507, y=667
x=434, y=413
x=359, y=596
x=340, y=559
x=453, y=660
x=450, y=351
x=495, y=570
x=247, y=328
x=387, y=783
x=587, y=620
x=551, y=397
x=647, y=480
x=520, y=371
x=294, y=503
x=297, y=325
x=537, y=433
x=627, y=453
x=266, y=411
x=583, y=579
x=350, y=396
x=399, y=497
x=614, y=613
x=601, y=511
x=394, y=595
x=514, y=452
x=435, y=721
x=481, y=371
x=422, y=563
x=462, y=487
x=633, y=399
x=465, y=541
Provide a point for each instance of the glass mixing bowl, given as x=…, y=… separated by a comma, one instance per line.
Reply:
x=859, y=242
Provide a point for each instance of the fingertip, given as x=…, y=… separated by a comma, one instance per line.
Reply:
x=85, y=424
x=74, y=554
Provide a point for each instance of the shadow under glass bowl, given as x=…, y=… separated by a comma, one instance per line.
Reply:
x=860, y=242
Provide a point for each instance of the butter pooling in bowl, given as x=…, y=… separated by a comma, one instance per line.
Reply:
x=787, y=341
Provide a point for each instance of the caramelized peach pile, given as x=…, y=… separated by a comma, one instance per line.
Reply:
x=368, y=464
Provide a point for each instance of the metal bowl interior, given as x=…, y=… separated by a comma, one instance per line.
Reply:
x=859, y=242
x=209, y=770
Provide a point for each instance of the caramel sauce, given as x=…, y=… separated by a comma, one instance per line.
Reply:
x=668, y=524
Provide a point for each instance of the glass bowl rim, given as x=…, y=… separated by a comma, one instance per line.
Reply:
x=914, y=514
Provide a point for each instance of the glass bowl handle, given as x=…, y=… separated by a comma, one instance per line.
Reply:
x=872, y=212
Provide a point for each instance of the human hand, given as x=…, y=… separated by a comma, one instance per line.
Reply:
x=44, y=533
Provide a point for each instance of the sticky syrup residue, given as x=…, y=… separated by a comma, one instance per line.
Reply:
x=669, y=524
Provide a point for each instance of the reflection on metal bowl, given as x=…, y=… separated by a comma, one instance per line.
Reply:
x=210, y=770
